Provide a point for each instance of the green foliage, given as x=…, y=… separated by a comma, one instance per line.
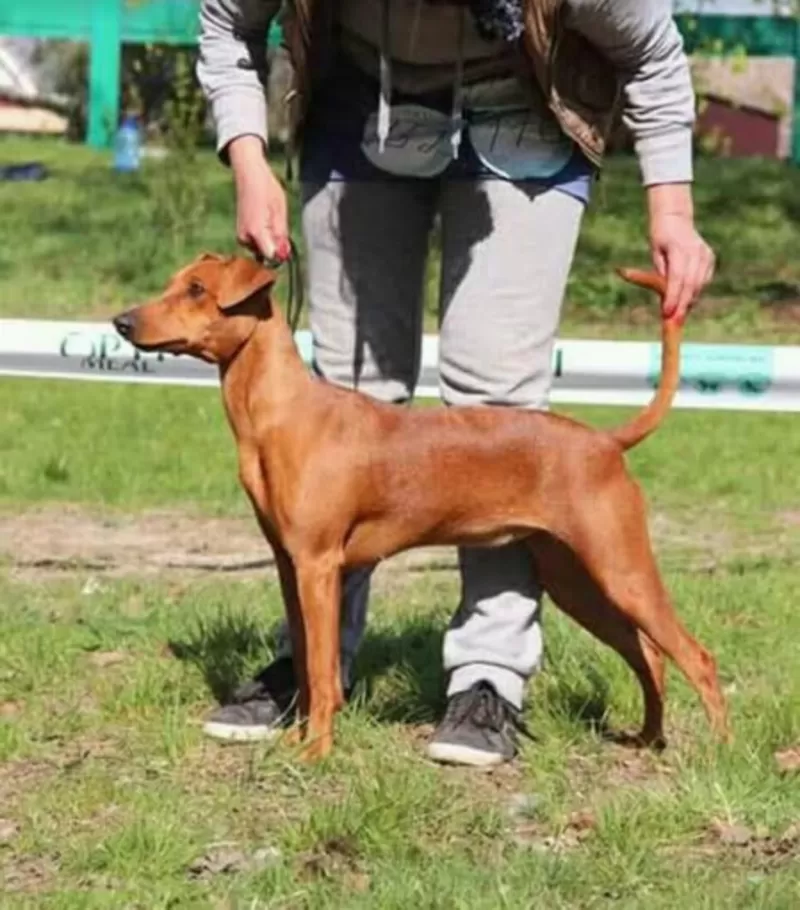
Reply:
x=179, y=199
x=154, y=77
x=88, y=240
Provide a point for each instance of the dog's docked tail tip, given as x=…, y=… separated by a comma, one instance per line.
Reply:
x=631, y=434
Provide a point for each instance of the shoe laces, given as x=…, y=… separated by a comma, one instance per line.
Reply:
x=481, y=706
x=484, y=707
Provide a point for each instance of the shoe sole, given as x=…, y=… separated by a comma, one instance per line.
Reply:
x=237, y=733
x=453, y=754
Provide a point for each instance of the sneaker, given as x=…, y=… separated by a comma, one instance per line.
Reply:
x=259, y=709
x=479, y=728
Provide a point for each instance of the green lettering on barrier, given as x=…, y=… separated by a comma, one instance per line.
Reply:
x=558, y=363
x=712, y=368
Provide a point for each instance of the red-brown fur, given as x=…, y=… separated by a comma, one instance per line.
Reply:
x=339, y=480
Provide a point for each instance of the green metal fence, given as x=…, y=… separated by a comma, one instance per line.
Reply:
x=107, y=24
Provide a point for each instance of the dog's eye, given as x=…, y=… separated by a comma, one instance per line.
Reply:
x=196, y=290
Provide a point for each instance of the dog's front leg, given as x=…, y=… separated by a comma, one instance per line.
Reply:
x=291, y=603
x=319, y=588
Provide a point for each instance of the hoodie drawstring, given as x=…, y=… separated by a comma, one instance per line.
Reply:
x=457, y=110
x=385, y=100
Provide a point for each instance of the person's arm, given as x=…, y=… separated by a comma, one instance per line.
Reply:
x=641, y=38
x=232, y=73
x=232, y=67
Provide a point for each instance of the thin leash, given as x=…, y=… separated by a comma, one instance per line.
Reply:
x=295, y=297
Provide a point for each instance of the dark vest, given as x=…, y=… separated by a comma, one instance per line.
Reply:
x=582, y=88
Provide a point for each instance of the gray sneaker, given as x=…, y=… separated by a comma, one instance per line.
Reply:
x=259, y=709
x=479, y=728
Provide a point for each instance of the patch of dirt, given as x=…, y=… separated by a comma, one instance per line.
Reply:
x=500, y=783
x=757, y=847
x=20, y=776
x=336, y=858
x=103, y=659
x=228, y=859
x=54, y=542
x=28, y=873
x=638, y=769
x=788, y=760
x=23, y=776
x=791, y=518
x=787, y=312
x=702, y=544
x=754, y=848
x=577, y=828
x=8, y=831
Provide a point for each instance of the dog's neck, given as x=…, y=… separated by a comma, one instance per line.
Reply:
x=266, y=367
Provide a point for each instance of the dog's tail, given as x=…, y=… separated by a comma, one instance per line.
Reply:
x=646, y=421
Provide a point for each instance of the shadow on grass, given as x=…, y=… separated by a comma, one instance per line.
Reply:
x=224, y=647
x=586, y=701
x=399, y=676
x=228, y=647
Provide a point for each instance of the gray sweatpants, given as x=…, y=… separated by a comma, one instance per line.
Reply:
x=506, y=253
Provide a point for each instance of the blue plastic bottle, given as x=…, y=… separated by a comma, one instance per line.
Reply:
x=128, y=145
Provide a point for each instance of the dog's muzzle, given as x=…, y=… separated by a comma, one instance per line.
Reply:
x=124, y=324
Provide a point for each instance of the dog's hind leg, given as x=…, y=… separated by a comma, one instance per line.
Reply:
x=572, y=590
x=610, y=538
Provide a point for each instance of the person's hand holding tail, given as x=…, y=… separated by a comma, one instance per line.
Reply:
x=679, y=253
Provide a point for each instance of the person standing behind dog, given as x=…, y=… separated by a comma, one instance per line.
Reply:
x=493, y=115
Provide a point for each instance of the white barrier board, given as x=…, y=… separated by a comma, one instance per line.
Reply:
x=713, y=376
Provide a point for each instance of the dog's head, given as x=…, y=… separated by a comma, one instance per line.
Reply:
x=208, y=309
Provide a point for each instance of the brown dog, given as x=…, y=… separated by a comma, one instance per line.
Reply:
x=338, y=480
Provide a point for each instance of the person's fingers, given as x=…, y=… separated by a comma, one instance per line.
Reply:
x=277, y=211
x=280, y=220
x=662, y=267
x=710, y=266
x=699, y=277
x=279, y=229
x=710, y=271
x=283, y=249
x=676, y=280
x=262, y=243
x=692, y=285
x=699, y=273
x=659, y=261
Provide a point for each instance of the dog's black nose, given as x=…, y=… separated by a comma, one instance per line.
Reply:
x=124, y=324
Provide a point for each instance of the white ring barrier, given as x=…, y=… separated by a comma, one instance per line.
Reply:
x=713, y=376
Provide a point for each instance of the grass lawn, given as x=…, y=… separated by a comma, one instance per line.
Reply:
x=88, y=240
x=135, y=591
x=132, y=595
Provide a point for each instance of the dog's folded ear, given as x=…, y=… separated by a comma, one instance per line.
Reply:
x=241, y=279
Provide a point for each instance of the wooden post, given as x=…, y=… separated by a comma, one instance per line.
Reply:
x=104, y=71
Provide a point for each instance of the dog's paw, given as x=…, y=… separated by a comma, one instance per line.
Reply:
x=317, y=750
x=295, y=736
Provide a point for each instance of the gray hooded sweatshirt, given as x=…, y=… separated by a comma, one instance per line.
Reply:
x=428, y=43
